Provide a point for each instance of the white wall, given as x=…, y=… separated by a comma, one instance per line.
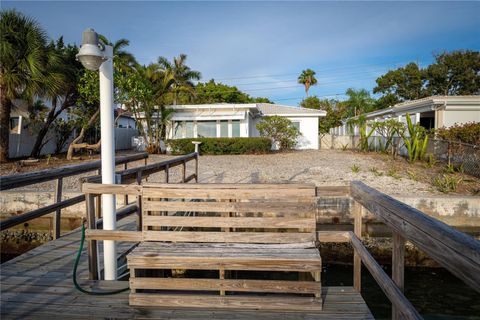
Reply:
x=450, y=117
x=309, y=131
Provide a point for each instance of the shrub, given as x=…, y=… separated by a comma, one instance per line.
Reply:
x=447, y=183
x=466, y=133
x=280, y=130
x=355, y=168
x=415, y=141
x=221, y=145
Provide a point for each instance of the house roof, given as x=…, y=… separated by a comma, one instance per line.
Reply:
x=427, y=104
x=270, y=109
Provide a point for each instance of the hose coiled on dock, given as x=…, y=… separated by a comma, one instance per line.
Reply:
x=75, y=266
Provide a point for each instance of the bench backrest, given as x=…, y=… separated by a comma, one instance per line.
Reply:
x=229, y=213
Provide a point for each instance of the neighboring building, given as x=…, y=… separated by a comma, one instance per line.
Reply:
x=240, y=120
x=432, y=113
x=22, y=139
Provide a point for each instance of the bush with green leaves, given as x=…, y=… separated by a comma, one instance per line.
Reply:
x=363, y=129
x=389, y=129
x=280, y=130
x=217, y=146
x=415, y=139
x=466, y=133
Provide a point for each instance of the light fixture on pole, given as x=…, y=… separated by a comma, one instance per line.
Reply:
x=95, y=56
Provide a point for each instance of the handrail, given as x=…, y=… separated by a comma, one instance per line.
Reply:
x=452, y=249
x=393, y=293
x=136, y=173
x=37, y=213
x=132, y=174
x=29, y=178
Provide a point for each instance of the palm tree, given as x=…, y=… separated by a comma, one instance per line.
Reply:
x=359, y=102
x=25, y=60
x=307, y=78
x=122, y=59
x=182, y=75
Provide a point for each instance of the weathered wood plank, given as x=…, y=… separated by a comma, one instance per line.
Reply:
x=120, y=189
x=230, y=222
x=226, y=285
x=223, y=186
x=227, y=302
x=273, y=207
x=333, y=191
x=116, y=235
x=333, y=236
x=226, y=262
x=221, y=194
x=238, y=237
x=454, y=250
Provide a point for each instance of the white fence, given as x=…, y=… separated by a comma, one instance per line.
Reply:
x=21, y=145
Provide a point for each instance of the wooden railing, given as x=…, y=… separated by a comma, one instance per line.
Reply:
x=453, y=250
x=30, y=178
x=93, y=191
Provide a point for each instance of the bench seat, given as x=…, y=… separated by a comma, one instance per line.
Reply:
x=227, y=246
x=208, y=256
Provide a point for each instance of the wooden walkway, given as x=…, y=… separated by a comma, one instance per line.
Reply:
x=38, y=285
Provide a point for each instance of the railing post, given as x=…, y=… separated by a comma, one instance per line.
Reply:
x=167, y=174
x=398, y=265
x=91, y=244
x=139, y=203
x=99, y=202
x=125, y=198
x=196, y=167
x=184, y=170
x=357, y=261
x=58, y=213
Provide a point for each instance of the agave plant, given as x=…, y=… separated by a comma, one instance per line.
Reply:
x=415, y=140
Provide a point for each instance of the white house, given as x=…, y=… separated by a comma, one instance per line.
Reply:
x=240, y=120
x=432, y=112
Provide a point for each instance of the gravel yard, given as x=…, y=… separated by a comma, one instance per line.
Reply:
x=321, y=167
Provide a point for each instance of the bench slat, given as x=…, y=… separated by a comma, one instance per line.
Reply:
x=226, y=284
x=226, y=194
x=237, y=237
x=269, y=207
x=229, y=222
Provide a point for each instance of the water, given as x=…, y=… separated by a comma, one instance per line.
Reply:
x=435, y=293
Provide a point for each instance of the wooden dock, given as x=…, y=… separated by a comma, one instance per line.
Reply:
x=38, y=285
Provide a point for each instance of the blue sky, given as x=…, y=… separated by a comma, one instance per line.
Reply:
x=261, y=47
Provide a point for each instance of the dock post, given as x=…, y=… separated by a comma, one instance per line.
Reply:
x=57, y=216
x=398, y=264
x=357, y=210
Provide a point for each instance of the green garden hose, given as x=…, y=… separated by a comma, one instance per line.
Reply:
x=77, y=259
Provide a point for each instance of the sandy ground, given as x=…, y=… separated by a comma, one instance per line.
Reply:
x=321, y=167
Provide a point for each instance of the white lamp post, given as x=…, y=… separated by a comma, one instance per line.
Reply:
x=95, y=56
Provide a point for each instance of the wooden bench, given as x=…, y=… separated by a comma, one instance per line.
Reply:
x=241, y=237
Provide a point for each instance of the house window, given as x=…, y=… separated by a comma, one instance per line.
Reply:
x=296, y=124
x=14, y=122
x=235, y=128
x=224, y=129
x=207, y=129
x=178, y=130
x=189, y=129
